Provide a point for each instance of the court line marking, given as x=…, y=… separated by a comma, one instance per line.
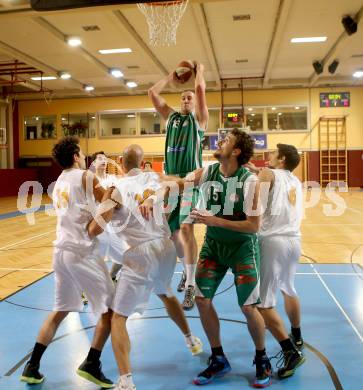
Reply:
x=26, y=240
x=306, y=273
x=331, y=371
x=338, y=304
x=28, y=269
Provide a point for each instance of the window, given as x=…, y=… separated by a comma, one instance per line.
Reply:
x=117, y=124
x=287, y=118
x=40, y=127
x=81, y=125
x=151, y=123
x=213, y=122
x=254, y=118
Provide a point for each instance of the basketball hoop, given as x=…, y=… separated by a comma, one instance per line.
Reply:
x=163, y=20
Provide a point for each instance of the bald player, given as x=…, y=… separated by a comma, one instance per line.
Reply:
x=183, y=154
x=77, y=265
x=148, y=266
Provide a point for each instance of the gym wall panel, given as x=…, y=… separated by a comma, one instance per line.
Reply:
x=302, y=96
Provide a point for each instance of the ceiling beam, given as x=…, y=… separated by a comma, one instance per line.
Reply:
x=279, y=28
x=21, y=11
x=19, y=55
x=85, y=53
x=202, y=23
x=333, y=53
x=141, y=43
x=27, y=84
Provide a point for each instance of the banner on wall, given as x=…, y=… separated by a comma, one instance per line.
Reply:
x=260, y=141
x=210, y=142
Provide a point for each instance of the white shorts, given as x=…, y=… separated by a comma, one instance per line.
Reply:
x=147, y=268
x=111, y=247
x=279, y=259
x=76, y=273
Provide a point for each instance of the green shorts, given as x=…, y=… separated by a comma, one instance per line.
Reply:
x=244, y=260
x=184, y=205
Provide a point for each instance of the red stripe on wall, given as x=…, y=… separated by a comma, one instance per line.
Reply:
x=313, y=166
x=355, y=168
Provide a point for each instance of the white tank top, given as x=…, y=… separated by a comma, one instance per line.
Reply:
x=107, y=181
x=284, y=206
x=127, y=222
x=74, y=212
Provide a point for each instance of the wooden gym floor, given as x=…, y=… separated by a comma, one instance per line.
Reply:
x=26, y=249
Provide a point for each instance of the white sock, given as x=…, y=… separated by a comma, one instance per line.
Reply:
x=126, y=379
x=182, y=260
x=190, y=271
x=189, y=339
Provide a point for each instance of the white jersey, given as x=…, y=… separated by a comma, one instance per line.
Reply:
x=127, y=222
x=284, y=206
x=73, y=211
x=107, y=181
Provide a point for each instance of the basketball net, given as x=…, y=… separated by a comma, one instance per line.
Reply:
x=163, y=20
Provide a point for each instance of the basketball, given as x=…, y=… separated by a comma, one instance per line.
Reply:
x=184, y=71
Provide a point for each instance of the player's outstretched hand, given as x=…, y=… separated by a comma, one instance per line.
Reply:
x=146, y=208
x=252, y=167
x=198, y=67
x=204, y=217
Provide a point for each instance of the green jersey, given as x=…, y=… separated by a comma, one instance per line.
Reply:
x=183, y=146
x=224, y=196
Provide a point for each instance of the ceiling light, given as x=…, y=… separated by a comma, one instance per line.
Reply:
x=116, y=73
x=44, y=78
x=280, y=113
x=37, y=118
x=63, y=119
x=89, y=88
x=115, y=51
x=65, y=75
x=130, y=115
x=250, y=109
x=297, y=108
x=308, y=39
x=253, y=114
x=93, y=117
x=74, y=41
x=273, y=108
x=358, y=74
x=131, y=84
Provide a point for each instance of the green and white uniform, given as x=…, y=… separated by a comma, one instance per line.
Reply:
x=223, y=248
x=183, y=154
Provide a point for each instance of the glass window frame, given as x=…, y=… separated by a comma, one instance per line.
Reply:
x=267, y=108
x=88, y=115
x=111, y=112
x=55, y=124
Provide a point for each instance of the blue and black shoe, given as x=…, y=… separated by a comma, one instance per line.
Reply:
x=263, y=372
x=218, y=367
